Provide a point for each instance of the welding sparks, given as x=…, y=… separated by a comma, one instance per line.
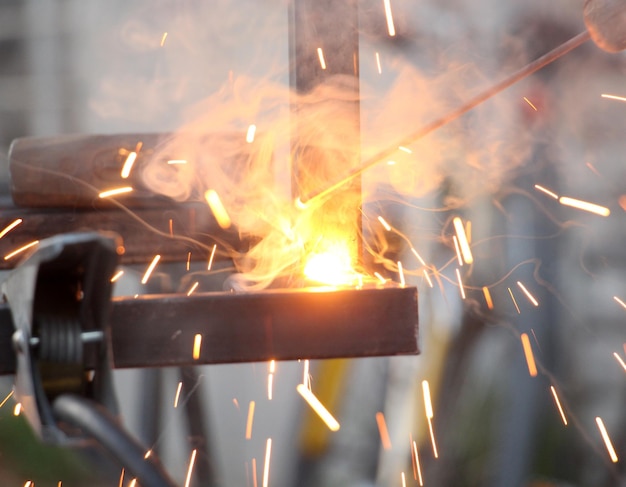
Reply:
x=29, y=483
x=163, y=37
x=193, y=288
x=6, y=398
x=21, y=249
x=615, y=354
x=216, y=206
x=320, y=55
x=380, y=69
x=427, y=402
x=488, y=299
x=457, y=250
x=128, y=164
x=607, y=440
x=133, y=483
x=463, y=240
x=405, y=149
x=514, y=302
x=401, y=274
x=428, y=280
x=620, y=302
x=613, y=97
x=461, y=288
x=177, y=161
x=177, y=396
x=530, y=297
x=384, y=223
x=150, y=268
x=117, y=275
x=380, y=277
x=306, y=379
x=383, y=431
x=10, y=227
x=266, y=466
x=250, y=420
x=530, y=103
x=17, y=409
x=192, y=460
x=418, y=256
x=558, y=405
x=318, y=407
x=585, y=206
x=197, y=346
x=250, y=134
x=417, y=465
x=270, y=380
x=528, y=353
x=390, y=27
x=545, y=190
x=211, y=257
x=403, y=479
x=115, y=192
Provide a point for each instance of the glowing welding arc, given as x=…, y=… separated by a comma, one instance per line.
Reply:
x=117, y=275
x=10, y=227
x=558, y=405
x=613, y=97
x=530, y=297
x=528, y=353
x=384, y=223
x=585, y=206
x=217, y=208
x=192, y=460
x=318, y=407
x=391, y=29
x=607, y=440
x=545, y=190
x=380, y=69
x=250, y=420
x=21, y=249
x=150, y=269
x=320, y=55
x=211, y=257
x=250, y=134
x=615, y=354
x=266, y=466
x=128, y=164
x=177, y=396
x=620, y=302
x=197, y=346
x=458, y=278
x=115, y=192
x=463, y=241
x=385, y=440
x=488, y=299
x=417, y=464
x=193, y=288
x=401, y=274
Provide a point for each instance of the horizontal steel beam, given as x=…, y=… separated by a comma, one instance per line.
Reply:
x=159, y=330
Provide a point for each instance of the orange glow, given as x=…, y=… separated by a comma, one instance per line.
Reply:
x=318, y=407
x=332, y=267
x=128, y=164
x=192, y=460
x=266, y=467
x=217, y=208
x=380, y=277
x=250, y=420
x=585, y=206
x=21, y=249
x=115, y=191
x=550, y=193
x=197, y=346
x=488, y=299
x=254, y=480
x=388, y=15
x=320, y=55
x=121, y=483
x=463, y=240
x=528, y=352
x=558, y=405
x=10, y=227
x=150, y=268
x=530, y=297
x=607, y=440
x=383, y=431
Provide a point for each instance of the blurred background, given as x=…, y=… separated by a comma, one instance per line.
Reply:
x=95, y=67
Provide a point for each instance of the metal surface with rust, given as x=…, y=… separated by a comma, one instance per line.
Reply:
x=159, y=330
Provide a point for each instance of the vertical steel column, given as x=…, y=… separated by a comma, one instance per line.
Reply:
x=329, y=26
